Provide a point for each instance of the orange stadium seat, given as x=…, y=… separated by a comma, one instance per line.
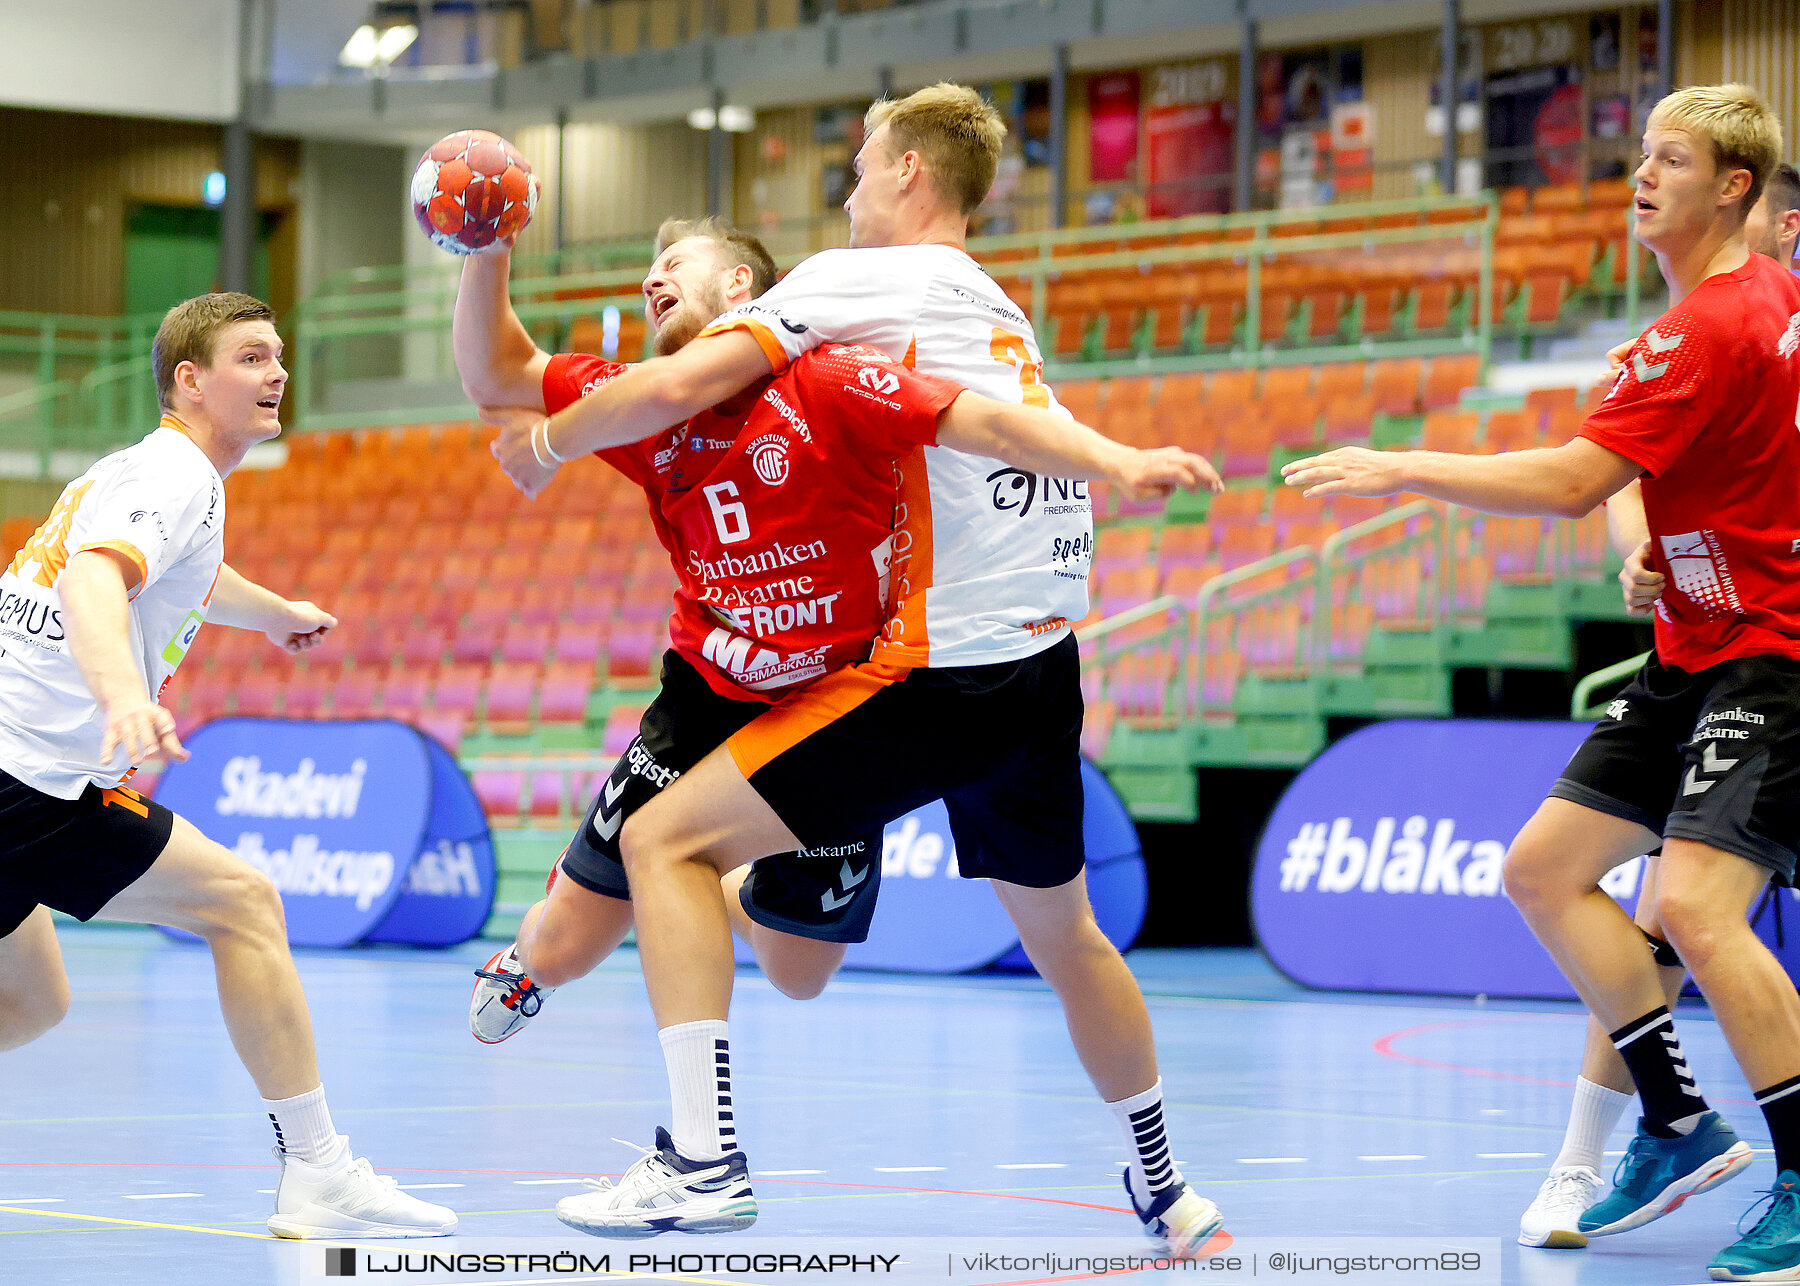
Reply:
x=1447, y=377
x=1395, y=384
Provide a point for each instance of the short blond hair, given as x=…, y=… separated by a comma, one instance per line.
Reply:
x=736, y=247
x=955, y=131
x=190, y=331
x=1743, y=132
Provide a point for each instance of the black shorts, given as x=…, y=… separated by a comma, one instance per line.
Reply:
x=999, y=744
x=826, y=891
x=73, y=855
x=1712, y=757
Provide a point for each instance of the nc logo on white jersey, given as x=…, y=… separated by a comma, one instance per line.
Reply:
x=884, y=382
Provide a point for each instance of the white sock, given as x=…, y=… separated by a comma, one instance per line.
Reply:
x=1593, y=1115
x=303, y=1127
x=1141, y=1119
x=699, y=1058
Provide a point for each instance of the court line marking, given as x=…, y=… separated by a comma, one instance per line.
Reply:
x=27, y=1201
x=1385, y=1047
x=141, y=1223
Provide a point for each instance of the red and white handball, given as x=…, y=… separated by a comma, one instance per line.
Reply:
x=473, y=189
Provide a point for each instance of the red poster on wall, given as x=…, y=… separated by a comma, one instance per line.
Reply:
x=1190, y=148
x=1112, y=127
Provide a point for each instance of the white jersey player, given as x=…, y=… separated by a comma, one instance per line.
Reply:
x=96, y=612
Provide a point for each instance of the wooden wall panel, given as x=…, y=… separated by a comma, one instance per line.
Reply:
x=1759, y=45
x=62, y=248
x=622, y=179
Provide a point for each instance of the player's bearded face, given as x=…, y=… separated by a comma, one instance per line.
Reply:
x=684, y=292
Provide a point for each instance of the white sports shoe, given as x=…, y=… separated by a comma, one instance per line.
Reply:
x=664, y=1191
x=504, y=999
x=349, y=1200
x=1552, y=1218
x=1180, y=1218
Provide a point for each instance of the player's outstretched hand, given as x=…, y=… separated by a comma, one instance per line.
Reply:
x=1641, y=585
x=1159, y=471
x=143, y=729
x=1347, y=471
x=306, y=628
x=513, y=448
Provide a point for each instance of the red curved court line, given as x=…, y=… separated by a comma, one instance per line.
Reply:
x=427, y=1169
x=1385, y=1047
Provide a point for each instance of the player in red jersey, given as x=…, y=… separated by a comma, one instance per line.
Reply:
x=1603, y=1087
x=756, y=616
x=1702, y=750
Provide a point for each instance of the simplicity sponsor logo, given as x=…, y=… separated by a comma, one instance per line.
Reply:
x=305, y=792
x=788, y=413
x=1387, y=862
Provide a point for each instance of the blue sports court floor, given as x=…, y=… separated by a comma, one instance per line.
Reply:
x=132, y=1149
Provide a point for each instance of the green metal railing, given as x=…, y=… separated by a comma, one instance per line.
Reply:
x=1582, y=705
x=374, y=347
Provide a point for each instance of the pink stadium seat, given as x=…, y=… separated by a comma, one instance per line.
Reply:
x=576, y=643
x=563, y=696
x=510, y=692
x=499, y=791
x=547, y=794
x=445, y=726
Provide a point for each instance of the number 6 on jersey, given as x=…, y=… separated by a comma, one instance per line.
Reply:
x=732, y=520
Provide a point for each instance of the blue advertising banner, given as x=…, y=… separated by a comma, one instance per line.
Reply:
x=931, y=920
x=1379, y=870
x=449, y=890
x=336, y=814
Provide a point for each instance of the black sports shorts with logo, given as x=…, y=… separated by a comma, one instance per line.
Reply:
x=999, y=744
x=73, y=855
x=1712, y=756
x=826, y=891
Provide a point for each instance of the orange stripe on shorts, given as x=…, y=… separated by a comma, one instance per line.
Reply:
x=820, y=703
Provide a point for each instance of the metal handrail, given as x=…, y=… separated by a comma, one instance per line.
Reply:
x=1580, y=707
x=1333, y=560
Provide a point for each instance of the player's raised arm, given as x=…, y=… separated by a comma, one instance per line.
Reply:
x=658, y=394
x=499, y=363
x=1040, y=441
x=1566, y=481
x=95, y=589
x=293, y=625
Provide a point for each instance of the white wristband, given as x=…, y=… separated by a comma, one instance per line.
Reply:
x=542, y=428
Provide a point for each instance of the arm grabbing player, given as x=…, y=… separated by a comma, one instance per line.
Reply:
x=1025, y=437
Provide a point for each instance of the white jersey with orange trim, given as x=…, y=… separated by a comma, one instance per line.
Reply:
x=162, y=505
x=990, y=562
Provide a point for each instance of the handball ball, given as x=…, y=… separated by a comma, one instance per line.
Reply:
x=473, y=189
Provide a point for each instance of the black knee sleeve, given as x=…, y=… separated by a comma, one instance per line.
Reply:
x=1660, y=950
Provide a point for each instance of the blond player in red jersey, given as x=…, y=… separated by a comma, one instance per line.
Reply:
x=1604, y=1086
x=971, y=695
x=96, y=613
x=1702, y=750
